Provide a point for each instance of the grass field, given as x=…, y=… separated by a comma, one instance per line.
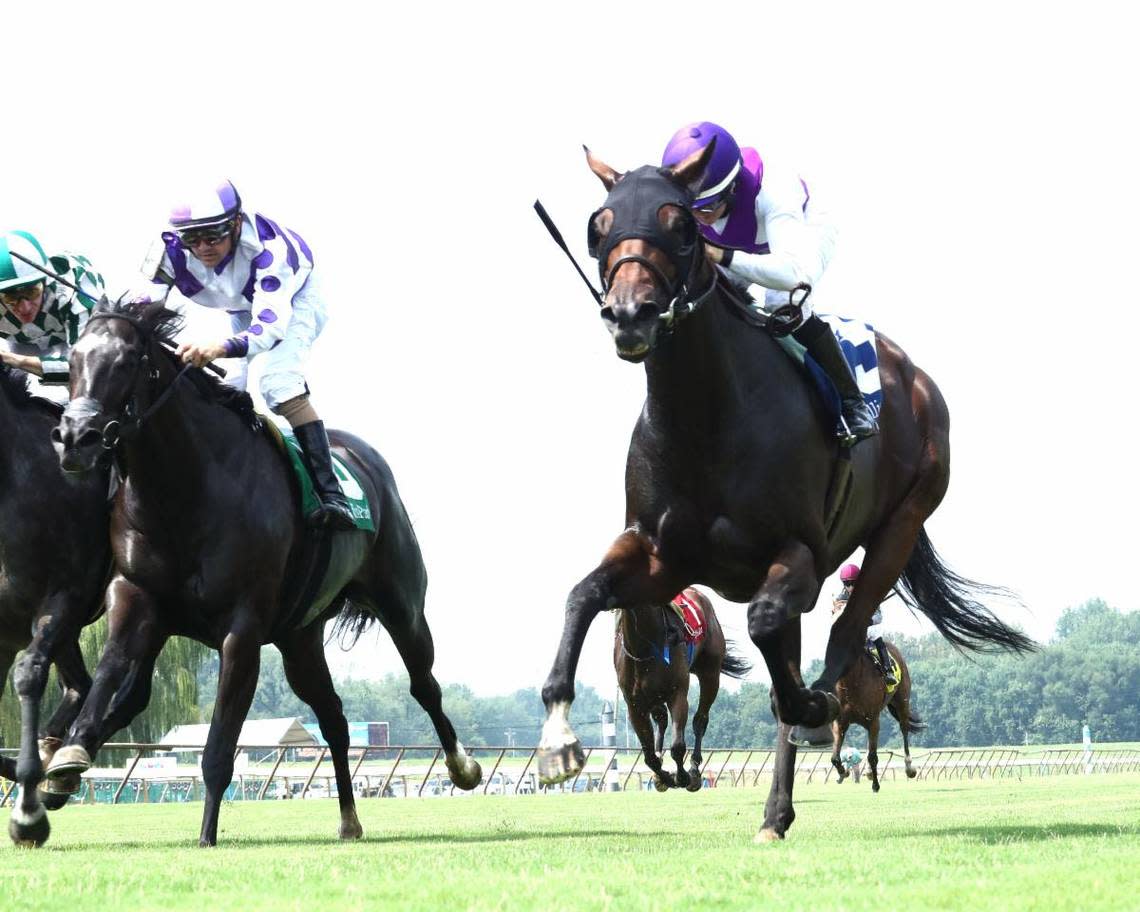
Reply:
x=1064, y=842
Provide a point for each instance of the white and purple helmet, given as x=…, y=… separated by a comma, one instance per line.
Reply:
x=212, y=207
x=721, y=171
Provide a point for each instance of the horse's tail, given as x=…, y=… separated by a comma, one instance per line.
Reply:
x=914, y=721
x=734, y=664
x=950, y=601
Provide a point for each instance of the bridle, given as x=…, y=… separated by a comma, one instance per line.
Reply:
x=128, y=424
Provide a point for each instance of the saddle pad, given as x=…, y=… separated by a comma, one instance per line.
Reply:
x=692, y=617
x=353, y=492
x=857, y=340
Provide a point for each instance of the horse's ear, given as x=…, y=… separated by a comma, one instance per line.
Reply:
x=689, y=171
x=607, y=175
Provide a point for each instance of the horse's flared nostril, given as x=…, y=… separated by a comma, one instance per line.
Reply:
x=57, y=436
x=89, y=438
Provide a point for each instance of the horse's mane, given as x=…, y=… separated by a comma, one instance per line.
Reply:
x=165, y=324
x=15, y=385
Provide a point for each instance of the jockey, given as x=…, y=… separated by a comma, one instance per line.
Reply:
x=40, y=317
x=763, y=227
x=262, y=275
x=848, y=575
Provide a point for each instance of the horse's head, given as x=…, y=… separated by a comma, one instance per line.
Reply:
x=648, y=249
x=107, y=366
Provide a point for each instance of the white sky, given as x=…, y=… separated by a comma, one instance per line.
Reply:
x=982, y=163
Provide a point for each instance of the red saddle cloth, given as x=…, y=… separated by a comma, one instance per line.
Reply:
x=692, y=617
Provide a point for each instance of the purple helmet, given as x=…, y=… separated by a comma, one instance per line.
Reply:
x=210, y=207
x=849, y=573
x=723, y=167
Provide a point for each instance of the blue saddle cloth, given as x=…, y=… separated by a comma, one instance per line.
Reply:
x=857, y=340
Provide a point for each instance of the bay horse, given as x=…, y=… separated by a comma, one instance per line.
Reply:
x=863, y=696
x=729, y=471
x=205, y=531
x=653, y=674
x=55, y=556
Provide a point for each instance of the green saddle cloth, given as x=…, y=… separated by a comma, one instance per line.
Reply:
x=349, y=483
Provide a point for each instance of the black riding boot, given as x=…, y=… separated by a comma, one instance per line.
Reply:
x=885, y=661
x=333, y=512
x=816, y=336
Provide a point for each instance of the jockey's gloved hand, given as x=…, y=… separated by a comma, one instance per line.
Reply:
x=718, y=256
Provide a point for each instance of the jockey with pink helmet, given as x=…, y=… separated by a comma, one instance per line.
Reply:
x=763, y=227
x=223, y=257
x=848, y=575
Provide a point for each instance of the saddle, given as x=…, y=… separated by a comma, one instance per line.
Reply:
x=320, y=563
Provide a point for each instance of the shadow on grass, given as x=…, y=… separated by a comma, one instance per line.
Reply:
x=989, y=834
x=259, y=842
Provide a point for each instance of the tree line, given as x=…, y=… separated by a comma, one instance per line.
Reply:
x=1089, y=673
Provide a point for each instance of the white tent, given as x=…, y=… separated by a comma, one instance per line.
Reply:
x=254, y=733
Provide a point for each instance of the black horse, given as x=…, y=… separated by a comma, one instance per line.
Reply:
x=730, y=468
x=54, y=561
x=207, y=537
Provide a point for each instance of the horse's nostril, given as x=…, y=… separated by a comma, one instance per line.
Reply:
x=56, y=435
x=647, y=310
x=608, y=314
x=90, y=437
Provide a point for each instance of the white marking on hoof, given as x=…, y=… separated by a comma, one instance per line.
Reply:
x=556, y=730
x=24, y=818
x=767, y=835
x=465, y=770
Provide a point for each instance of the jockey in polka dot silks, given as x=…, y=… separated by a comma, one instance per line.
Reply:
x=262, y=275
x=41, y=317
x=763, y=227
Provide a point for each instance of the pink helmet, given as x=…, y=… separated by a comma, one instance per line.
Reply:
x=849, y=573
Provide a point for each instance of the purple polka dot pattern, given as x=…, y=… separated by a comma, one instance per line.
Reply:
x=263, y=260
x=270, y=283
x=256, y=330
x=267, y=316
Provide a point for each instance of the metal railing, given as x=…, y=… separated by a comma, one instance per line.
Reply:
x=415, y=770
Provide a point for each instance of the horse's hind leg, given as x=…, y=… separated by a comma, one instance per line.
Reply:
x=307, y=671
x=709, y=681
x=76, y=684
x=900, y=709
x=404, y=620
x=660, y=714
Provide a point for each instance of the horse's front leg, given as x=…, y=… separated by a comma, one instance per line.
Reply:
x=643, y=727
x=680, y=713
x=839, y=731
x=28, y=825
x=629, y=575
x=789, y=590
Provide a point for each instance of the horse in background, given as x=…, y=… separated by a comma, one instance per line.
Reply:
x=55, y=556
x=863, y=695
x=653, y=663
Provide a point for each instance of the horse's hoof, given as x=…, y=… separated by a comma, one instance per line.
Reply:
x=911, y=772
x=874, y=786
x=48, y=747
x=63, y=786
x=465, y=772
x=559, y=764
x=350, y=828
x=767, y=835
x=53, y=801
x=694, y=781
x=661, y=784
x=69, y=759
x=681, y=779
x=29, y=831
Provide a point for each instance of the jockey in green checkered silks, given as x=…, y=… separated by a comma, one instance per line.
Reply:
x=40, y=317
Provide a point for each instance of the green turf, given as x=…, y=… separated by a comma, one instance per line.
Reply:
x=1065, y=842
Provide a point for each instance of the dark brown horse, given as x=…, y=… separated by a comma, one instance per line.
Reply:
x=54, y=559
x=206, y=534
x=729, y=472
x=653, y=668
x=863, y=696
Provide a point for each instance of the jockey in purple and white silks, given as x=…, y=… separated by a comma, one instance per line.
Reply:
x=262, y=275
x=41, y=318
x=763, y=227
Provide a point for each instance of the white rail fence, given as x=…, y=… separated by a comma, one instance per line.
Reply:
x=170, y=772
